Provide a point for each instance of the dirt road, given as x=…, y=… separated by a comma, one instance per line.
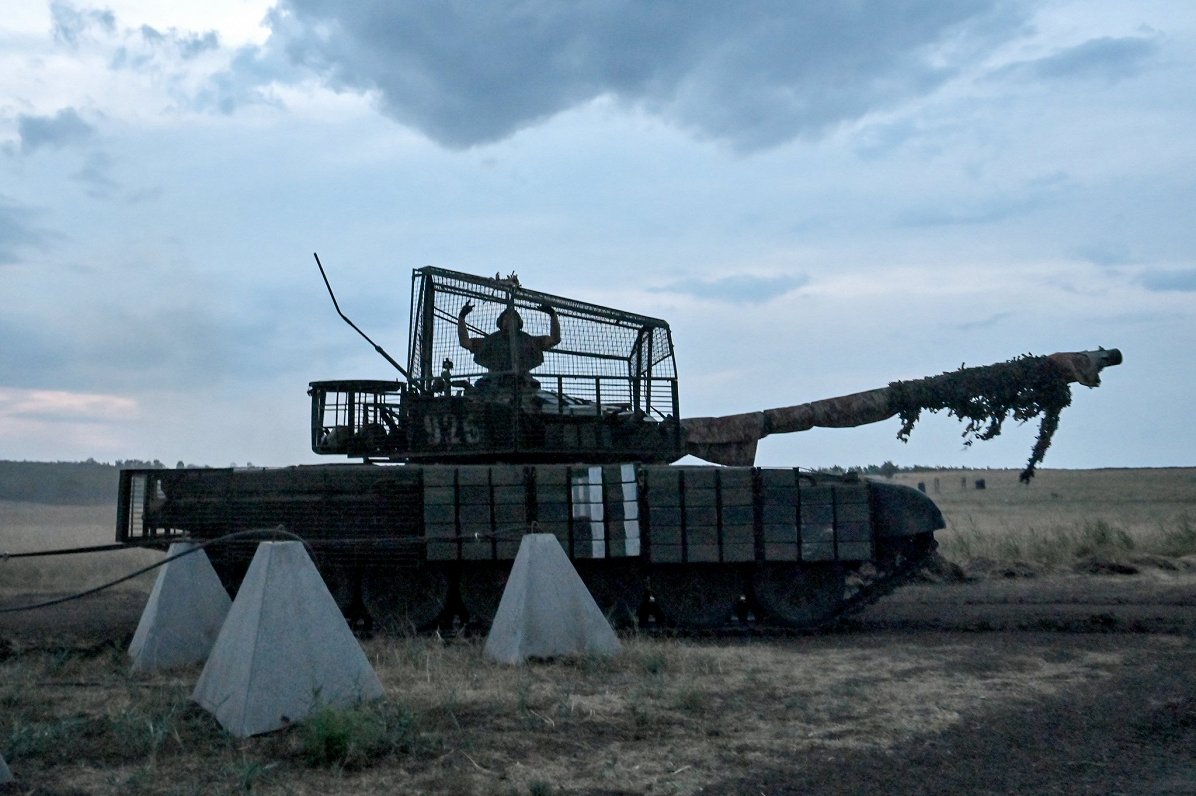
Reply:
x=1151, y=600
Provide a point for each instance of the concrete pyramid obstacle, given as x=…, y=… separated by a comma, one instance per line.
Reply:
x=546, y=611
x=5, y=775
x=183, y=614
x=285, y=651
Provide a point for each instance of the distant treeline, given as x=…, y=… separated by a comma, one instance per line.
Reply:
x=64, y=483
x=888, y=469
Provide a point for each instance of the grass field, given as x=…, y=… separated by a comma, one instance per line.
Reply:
x=1063, y=515
x=26, y=527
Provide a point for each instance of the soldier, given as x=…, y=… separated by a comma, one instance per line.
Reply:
x=510, y=353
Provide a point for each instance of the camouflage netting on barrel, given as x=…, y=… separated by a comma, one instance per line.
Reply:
x=985, y=397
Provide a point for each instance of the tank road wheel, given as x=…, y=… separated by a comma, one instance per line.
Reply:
x=695, y=596
x=799, y=595
x=404, y=598
x=481, y=587
x=617, y=587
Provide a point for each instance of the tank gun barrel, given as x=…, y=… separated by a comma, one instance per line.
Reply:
x=732, y=439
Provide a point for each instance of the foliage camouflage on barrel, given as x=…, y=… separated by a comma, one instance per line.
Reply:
x=1024, y=387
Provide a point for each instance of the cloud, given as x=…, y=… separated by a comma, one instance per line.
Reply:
x=982, y=323
x=739, y=289
x=147, y=46
x=64, y=128
x=95, y=174
x=72, y=24
x=999, y=206
x=61, y=405
x=38, y=419
x=876, y=140
x=180, y=336
x=250, y=69
x=17, y=231
x=1105, y=58
x=188, y=45
x=755, y=73
x=1179, y=280
x=179, y=63
x=984, y=211
x=1105, y=254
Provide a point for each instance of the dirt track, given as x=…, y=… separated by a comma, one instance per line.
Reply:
x=1149, y=601
x=1126, y=725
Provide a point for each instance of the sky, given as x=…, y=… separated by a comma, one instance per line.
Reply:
x=820, y=198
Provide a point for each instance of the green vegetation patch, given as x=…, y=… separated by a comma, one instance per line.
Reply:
x=356, y=737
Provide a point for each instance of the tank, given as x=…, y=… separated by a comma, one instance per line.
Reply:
x=519, y=411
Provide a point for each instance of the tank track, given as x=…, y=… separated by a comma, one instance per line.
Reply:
x=911, y=560
x=864, y=587
x=904, y=566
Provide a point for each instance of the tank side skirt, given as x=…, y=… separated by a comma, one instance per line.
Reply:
x=384, y=509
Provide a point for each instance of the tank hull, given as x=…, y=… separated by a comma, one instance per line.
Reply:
x=412, y=546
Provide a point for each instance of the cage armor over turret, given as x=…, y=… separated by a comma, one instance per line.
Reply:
x=521, y=411
x=604, y=388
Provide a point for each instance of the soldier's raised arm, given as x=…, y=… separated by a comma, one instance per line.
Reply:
x=554, y=333
x=468, y=343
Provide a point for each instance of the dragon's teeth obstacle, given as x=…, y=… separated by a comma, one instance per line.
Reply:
x=285, y=651
x=183, y=615
x=546, y=611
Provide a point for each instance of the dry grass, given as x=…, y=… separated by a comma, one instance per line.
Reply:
x=664, y=716
x=27, y=527
x=1063, y=515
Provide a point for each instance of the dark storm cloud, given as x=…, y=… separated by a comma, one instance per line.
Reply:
x=1106, y=58
x=62, y=129
x=755, y=73
x=1180, y=280
x=740, y=289
x=17, y=231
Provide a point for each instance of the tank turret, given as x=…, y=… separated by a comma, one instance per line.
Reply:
x=496, y=372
